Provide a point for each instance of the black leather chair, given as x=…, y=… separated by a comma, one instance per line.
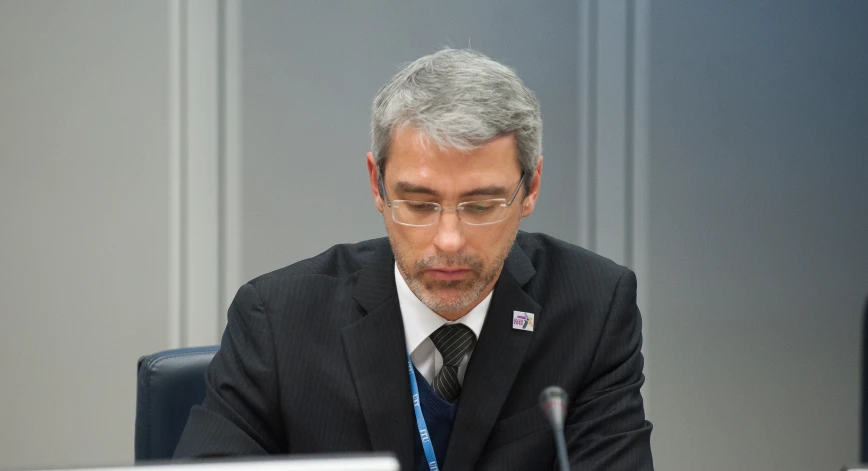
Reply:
x=169, y=384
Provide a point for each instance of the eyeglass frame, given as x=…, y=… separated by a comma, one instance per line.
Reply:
x=457, y=207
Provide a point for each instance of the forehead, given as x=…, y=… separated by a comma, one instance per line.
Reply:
x=413, y=154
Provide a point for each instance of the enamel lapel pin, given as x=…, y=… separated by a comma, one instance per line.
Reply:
x=522, y=321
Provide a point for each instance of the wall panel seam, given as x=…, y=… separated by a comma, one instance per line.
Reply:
x=629, y=144
x=231, y=132
x=221, y=162
x=176, y=146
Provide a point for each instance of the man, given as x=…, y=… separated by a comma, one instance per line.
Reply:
x=315, y=355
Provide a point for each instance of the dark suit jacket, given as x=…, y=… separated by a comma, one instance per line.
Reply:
x=313, y=360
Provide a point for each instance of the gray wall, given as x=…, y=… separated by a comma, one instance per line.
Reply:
x=309, y=73
x=83, y=238
x=758, y=239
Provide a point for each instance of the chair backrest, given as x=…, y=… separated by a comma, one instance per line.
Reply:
x=863, y=442
x=170, y=383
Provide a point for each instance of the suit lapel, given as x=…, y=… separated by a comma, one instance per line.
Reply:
x=376, y=352
x=495, y=362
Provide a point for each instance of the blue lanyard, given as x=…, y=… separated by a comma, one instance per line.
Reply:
x=420, y=420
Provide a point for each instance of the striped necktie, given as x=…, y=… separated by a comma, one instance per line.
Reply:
x=453, y=341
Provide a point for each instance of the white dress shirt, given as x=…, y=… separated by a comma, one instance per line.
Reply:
x=420, y=322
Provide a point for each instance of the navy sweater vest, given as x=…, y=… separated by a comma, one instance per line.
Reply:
x=439, y=415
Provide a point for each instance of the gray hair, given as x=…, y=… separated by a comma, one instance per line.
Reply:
x=461, y=100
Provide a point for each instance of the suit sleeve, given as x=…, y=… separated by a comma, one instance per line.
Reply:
x=606, y=428
x=241, y=412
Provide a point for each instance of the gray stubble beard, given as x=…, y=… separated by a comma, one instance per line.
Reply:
x=474, y=287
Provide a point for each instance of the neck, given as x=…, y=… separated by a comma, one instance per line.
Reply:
x=455, y=315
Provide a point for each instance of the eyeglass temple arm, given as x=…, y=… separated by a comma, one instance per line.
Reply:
x=520, y=184
x=383, y=189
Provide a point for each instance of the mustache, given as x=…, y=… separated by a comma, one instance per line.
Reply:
x=447, y=261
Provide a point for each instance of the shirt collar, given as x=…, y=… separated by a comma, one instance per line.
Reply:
x=420, y=321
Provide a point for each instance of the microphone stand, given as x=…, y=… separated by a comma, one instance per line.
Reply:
x=553, y=401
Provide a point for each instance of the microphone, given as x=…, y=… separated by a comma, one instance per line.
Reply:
x=553, y=401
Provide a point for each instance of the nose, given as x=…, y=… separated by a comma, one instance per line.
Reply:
x=449, y=238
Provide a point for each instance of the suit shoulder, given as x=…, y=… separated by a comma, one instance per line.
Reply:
x=339, y=261
x=548, y=253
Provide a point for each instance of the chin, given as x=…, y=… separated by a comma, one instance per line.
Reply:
x=442, y=302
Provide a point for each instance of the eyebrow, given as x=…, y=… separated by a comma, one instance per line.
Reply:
x=491, y=190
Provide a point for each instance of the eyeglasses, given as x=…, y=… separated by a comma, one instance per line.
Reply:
x=426, y=213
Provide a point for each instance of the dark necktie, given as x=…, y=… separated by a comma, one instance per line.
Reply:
x=453, y=341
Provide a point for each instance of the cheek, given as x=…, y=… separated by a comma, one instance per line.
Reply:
x=411, y=242
x=492, y=244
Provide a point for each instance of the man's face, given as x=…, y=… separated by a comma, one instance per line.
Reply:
x=451, y=266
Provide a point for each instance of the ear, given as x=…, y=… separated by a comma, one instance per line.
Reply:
x=529, y=202
x=373, y=176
